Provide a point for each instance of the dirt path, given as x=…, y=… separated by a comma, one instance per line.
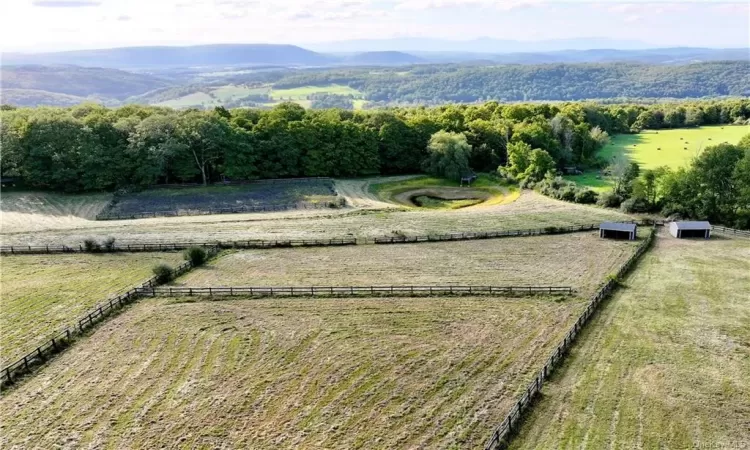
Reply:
x=357, y=192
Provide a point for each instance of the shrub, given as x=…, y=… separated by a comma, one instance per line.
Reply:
x=586, y=196
x=163, y=272
x=635, y=205
x=196, y=255
x=91, y=245
x=609, y=199
x=568, y=193
x=109, y=244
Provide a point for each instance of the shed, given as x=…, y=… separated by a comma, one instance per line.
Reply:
x=618, y=230
x=690, y=229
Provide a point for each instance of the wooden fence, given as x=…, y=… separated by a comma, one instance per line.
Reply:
x=500, y=438
x=306, y=291
x=732, y=231
x=283, y=243
x=61, y=340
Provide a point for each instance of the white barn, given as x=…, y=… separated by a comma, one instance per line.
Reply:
x=690, y=229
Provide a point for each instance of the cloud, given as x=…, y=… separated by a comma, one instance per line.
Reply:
x=124, y=18
x=508, y=5
x=65, y=3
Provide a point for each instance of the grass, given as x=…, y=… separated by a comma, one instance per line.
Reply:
x=484, y=190
x=31, y=211
x=42, y=294
x=652, y=149
x=370, y=218
x=297, y=373
x=301, y=93
x=665, y=364
x=580, y=260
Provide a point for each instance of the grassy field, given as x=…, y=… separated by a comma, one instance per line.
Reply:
x=666, y=363
x=299, y=373
x=530, y=210
x=30, y=211
x=301, y=93
x=580, y=260
x=41, y=294
x=198, y=199
x=652, y=148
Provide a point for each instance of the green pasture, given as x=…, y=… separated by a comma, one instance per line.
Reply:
x=656, y=148
x=301, y=93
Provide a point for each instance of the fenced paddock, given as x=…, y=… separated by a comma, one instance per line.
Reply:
x=578, y=260
x=504, y=432
x=43, y=293
x=402, y=372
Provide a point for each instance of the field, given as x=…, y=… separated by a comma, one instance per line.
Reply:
x=301, y=93
x=579, y=260
x=298, y=373
x=530, y=210
x=31, y=211
x=438, y=193
x=666, y=363
x=671, y=148
x=41, y=294
x=234, y=197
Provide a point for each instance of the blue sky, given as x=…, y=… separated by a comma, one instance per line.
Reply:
x=43, y=25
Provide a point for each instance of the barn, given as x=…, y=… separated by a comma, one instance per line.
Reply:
x=618, y=230
x=690, y=229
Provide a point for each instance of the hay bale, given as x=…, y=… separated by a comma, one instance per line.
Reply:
x=680, y=138
x=658, y=148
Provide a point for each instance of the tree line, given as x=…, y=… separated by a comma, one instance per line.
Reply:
x=91, y=147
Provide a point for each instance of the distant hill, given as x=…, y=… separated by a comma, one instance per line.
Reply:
x=383, y=59
x=32, y=97
x=79, y=81
x=199, y=55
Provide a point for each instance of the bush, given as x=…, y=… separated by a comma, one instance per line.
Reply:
x=91, y=245
x=609, y=199
x=196, y=255
x=586, y=196
x=109, y=244
x=163, y=272
x=568, y=193
x=635, y=205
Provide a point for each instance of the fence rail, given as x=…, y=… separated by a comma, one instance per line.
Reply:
x=733, y=231
x=281, y=243
x=62, y=339
x=500, y=437
x=266, y=291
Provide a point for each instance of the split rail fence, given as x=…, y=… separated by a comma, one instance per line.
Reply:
x=500, y=438
x=283, y=243
x=306, y=291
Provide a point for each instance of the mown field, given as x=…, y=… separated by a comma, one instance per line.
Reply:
x=530, y=210
x=32, y=211
x=42, y=294
x=205, y=199
x=656, y=148
x=579, y=260
x=298, y=373
x=438, y=193
x=666, y=363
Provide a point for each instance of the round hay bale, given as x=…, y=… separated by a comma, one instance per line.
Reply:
x=680, y=138
x=658, y=148
x=684, y=148
x=709, y=139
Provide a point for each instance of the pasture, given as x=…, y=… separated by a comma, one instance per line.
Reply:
x=665, y=364
x=439, y=193
x=296, y=373
x=301, y=93
x=42, y=294
x=32, y=211
x=230, y=198
x=656, y=148
x=530, y=210
x=579, y=260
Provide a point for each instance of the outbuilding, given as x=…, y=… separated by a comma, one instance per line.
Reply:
x=690, y=229
x=618, y=230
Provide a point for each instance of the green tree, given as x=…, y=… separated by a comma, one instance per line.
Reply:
x=540, y=163
x=447, y=155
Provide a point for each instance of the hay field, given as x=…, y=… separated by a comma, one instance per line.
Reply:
x=298, y=373
x=530, y=210
x=42, y=294
x=579, y=260
x=666, y=363
x=32, y=211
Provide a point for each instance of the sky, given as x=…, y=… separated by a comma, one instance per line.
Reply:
x=52, y=25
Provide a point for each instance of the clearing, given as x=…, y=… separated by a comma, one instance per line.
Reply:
x=655, y=148
x=438, y=193
x=42, y=294
x=296, y=373
x=229, y=198
x=665, y=364
x=301, y=93
x=579, y=260
x=530, y=210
